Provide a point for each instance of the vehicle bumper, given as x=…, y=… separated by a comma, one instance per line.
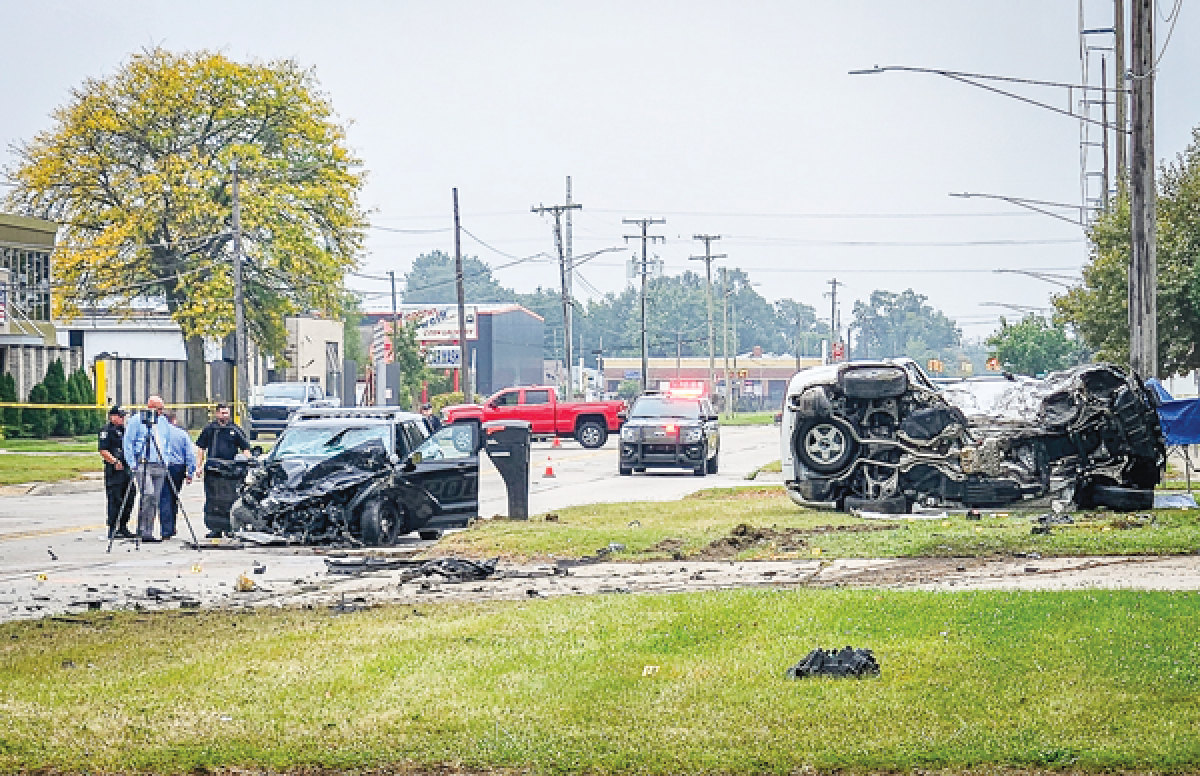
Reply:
x=662, y=455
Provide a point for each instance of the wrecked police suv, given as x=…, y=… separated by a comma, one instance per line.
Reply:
x=361, y=477
x=879, y=436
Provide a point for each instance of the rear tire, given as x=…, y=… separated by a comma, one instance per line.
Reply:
x=1122, y=499
x=825, y=445
x=591, y=434
x=893, y=505
x=713, y=464
x=380, y=523
x=625, y=471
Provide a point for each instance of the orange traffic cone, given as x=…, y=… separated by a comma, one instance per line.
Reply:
x=556, y=444
x=549, y=469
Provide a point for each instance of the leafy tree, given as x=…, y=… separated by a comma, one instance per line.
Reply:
x=41, y=421
x=63, y=423
x=353, y=348
x=432, y=281
x=1033, y=347
x=439, y=401
x=11, y=415
x=891, y=324
x=629, y=389
x=1099, y=307
x=407, y=352
x=136, y=168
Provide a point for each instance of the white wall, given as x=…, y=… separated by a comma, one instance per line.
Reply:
x=131, y=343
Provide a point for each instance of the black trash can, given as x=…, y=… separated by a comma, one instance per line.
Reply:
x=508, y=443
x=222, y=481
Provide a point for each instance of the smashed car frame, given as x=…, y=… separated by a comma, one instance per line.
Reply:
x=879, y=436
x=361, y=477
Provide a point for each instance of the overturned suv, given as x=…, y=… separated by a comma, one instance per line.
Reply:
x=880, y=437
x=359, y=477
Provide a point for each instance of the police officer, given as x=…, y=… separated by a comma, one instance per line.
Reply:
x=111, y=444
x=221, y=440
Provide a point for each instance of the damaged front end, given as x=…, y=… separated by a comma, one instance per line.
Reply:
x=878, y=436
x=319, y=503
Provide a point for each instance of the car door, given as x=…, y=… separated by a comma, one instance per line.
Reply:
x=712, y=429
x=538, y=410
x=438, y=483
x=505, y=405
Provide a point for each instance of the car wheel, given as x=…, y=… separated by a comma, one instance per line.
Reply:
x=591, y=435
x=893, y=505
x=625, y=471
x=381, y=523
x=430, y=535
x=712, y=464
x=825, y=445
x=874, y=382
x=1122, y=499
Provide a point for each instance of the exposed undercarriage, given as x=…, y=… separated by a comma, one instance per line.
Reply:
x=877, y=437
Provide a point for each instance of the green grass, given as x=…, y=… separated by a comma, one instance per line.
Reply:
x=79, y=444
x=748, y=419
x=16, y=468
x=1086, y=681
x=709, y=515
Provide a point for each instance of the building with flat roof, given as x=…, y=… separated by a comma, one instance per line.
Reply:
x=757, y=382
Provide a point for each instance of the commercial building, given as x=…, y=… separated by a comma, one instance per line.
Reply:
x=758, y=380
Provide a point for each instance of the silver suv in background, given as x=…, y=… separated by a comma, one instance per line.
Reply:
x=273, y=404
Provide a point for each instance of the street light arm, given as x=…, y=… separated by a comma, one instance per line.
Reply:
x=1030, y=204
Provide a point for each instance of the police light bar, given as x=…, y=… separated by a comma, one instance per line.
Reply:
x=686, y=389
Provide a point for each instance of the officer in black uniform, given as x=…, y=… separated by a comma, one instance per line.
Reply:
x=111, y=444
x=220, y=440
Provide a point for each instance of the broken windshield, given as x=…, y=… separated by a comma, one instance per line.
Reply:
x=328, y=441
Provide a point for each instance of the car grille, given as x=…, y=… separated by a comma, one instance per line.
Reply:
x=658, y=449
x=270, y=413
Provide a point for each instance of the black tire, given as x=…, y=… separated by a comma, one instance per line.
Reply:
x=625, y=471
x=874, y=382
x=712, y=464
x=700, y=470
x=381, y=523
x=591, y=434
x=430, y=535
x=639, y=469
x=892, y=505
x=1122, y=499
x=825, y=445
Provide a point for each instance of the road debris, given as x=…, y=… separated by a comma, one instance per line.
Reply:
x=453, y=570
x=847, y=662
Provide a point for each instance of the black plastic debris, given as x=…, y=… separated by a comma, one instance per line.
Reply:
x=365, y=564
x=846, y=662
x=454, y=570
x=1040, y=528
x=1054, y=518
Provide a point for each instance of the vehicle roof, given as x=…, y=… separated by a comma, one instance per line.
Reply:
x=342, y=414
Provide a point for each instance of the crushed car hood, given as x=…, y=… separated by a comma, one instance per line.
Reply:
x=295, y=480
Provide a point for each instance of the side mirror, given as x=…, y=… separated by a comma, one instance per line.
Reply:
x=622, y=415
x=414, y=458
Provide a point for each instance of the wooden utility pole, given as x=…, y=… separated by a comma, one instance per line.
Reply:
x=1104, y=121
x=241, y=394
x=835, y=334
x=643, y=270
x=1143, y=266
x=464, y=366
x=725, y=338
x=395, y=333
x=1119, y=91
x=569, y=267
x=707, y=258
x=557, y=211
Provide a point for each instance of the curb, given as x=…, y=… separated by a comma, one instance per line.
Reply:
x=65, y=488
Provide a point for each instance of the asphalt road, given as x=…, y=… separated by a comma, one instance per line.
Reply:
x=54, y=557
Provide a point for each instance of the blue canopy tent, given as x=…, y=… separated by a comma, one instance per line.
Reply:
x=1180, y=419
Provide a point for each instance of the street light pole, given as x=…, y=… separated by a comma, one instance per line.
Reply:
x=239, y=302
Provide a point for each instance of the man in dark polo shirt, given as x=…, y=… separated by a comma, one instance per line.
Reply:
x=221, y=440
x=111, y=444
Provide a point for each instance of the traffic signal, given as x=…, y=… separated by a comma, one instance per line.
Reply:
x=993, y=364
x=743, y=373
x=935, y=365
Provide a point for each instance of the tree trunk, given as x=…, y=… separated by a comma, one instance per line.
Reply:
x=197, y=381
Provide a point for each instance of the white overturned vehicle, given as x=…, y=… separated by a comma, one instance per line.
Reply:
x=879, y=436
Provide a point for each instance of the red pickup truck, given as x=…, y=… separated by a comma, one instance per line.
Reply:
x=590, y=422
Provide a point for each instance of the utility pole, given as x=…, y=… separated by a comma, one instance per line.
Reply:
x=708, y=260
x=725, y=336
x=1143, y=266
x=569, y=264
x=557, y=211
x=395, y=333
x=733, y=320
x=643, y=269
x=1120, y=88
x=835, y=334
x=1104, y=121
x=678, y=353
x=239, y=303
x=464, y=369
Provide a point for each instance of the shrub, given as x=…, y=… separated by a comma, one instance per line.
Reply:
x=11, y=415
x=444, y=399
x=62, y=423
x=41, y=421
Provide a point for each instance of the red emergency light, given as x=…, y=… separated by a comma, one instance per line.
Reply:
x=686, y=389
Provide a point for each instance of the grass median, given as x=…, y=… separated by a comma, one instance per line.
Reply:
x=760, y=522
x=748, y=419
x=18, y=468
x=1086, y=681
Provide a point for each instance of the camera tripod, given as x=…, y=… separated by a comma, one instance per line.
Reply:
x=143, y=459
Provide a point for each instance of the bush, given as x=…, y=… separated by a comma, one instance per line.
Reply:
x=41, y=422
x=11, y=415
x=629, y=389
x=63, y=422
x=444, y=399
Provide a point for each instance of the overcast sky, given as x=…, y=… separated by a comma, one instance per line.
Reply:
x=734, y=118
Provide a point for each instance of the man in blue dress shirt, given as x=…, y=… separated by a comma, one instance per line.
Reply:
x=181, y=465
x=145, y=445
